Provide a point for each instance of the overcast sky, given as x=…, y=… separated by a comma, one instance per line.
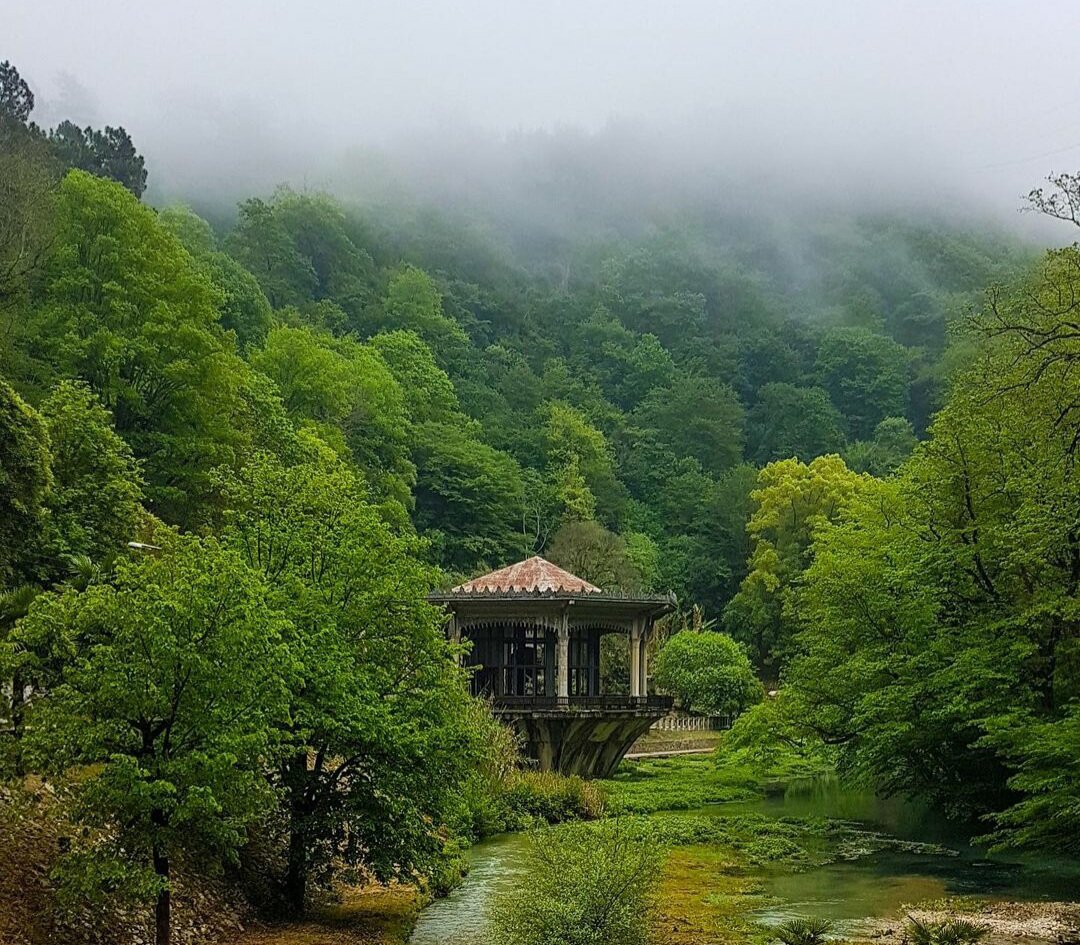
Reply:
x=981, y=97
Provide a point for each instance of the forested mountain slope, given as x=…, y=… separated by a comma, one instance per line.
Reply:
x=495, y=392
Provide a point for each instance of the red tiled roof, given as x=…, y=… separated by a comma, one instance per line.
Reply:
x=533, y=574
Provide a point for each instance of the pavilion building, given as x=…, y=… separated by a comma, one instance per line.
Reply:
x=535, y=634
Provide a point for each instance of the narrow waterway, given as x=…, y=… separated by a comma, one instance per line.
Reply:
x=849, y=892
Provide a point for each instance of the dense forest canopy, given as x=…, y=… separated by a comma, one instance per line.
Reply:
x=824, y=436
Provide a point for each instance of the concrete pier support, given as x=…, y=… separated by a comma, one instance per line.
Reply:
x=588, y=744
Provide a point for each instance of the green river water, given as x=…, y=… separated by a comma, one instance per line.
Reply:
x=847, y=892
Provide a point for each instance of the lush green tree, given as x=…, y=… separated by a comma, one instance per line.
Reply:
x=109, y=153
x=580, y=462
x=893, y=441
x=194, y=233
x=126, y=309
x=16, y=98
x=865, y=374
x=164, y=710
x=25, y=483
x=938, y=643
x=380, y=739
x=1044, y=763
x=699, y=417
x=27, y=226
x=708, y=672
x=349, y=392
x=261, y=243
x=413, y=302
x=600, y=557
x=429, y=393
x=469, y=498
x=627, y=365
x=244, y=308
x=794, y=421
x=95, y=505
x=793, y=499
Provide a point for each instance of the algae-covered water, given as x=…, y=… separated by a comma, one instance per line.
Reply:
x=850, y=891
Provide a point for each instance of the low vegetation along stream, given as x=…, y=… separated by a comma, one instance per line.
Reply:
x=735, y=870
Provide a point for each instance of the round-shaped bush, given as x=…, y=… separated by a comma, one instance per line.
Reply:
x=707, y=672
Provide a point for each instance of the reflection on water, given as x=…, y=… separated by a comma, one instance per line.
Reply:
x=847, y=892
x=879, y=885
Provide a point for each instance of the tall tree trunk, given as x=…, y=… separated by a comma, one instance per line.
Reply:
x=18, y=707
x=296, y=871
x=163, y=906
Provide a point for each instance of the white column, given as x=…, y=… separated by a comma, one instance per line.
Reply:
x=635, y=660
x=562, y=664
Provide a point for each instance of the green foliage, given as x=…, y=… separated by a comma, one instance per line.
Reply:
x=16, y=98
x=803, y=931
x=350, y=394
x=582, y=886
x=468, y=496
x=531, y=796
x=946, y=932
x=167, y=687
x=27, y=226
x=707, y=672
x=590, y=551
x=937, y=642
x=1045, y=759
x=95, y=506
x=428, y=391
x=698, y=417
x=126, y=309
x=788, y=421
x=793, y=500
x=110, y=154
x=379, y=740
x=25, y=481
x=865, y=374
x=581, y=462
x=893, y=442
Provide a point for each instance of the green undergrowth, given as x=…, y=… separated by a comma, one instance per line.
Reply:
x=678, y=783
x=686, y=782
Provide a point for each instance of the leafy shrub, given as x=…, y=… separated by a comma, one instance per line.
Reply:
x=707, y=672
x=773, y=850
x=946, y=932
x=584, y=885
x=804, y=931
x=680, y=783
x=531, y=796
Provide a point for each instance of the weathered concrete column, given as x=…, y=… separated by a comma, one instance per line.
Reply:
x=562, y=667
x=635, y=659
x=644, y=687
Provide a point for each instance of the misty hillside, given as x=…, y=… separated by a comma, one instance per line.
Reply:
x=740, y=340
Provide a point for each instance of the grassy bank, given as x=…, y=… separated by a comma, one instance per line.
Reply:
x=685, y=782
x=375, y=915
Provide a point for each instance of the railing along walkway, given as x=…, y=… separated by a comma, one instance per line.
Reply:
x=607, y=701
